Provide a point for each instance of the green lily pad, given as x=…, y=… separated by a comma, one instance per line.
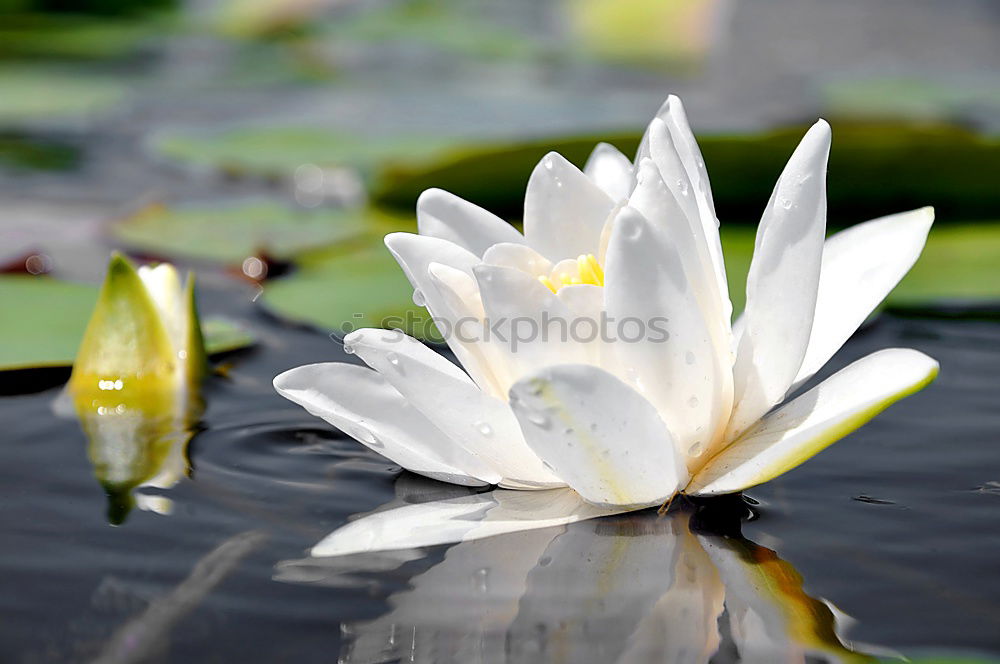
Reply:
x=45, y=318
x=874, y=170
x=71, y=36
x=347, y=288
x=229, y=233
x=32, y=94
x=959, y=263
x=278, y=151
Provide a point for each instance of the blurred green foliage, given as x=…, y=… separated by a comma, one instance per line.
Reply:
x=874, y=170
x=93, y=7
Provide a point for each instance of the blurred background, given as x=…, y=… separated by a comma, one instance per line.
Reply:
x=278, y=140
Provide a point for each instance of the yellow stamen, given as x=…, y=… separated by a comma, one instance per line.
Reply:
x=548, y=284
x=590, y=270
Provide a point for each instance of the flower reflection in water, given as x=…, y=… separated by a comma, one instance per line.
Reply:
x=630, y=588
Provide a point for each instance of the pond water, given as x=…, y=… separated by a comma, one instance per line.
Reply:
x=898, y=526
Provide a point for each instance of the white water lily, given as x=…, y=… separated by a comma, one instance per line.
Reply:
x=627, y=423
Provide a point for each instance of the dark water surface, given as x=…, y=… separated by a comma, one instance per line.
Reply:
x=898, y=526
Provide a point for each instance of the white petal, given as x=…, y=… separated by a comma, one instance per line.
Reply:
x=586, y=304
x=662, y=206
x=782, y=283
x=668, y=352
x=564, y=211
x=673, y=114
x=458, y=520
x=860, y=266
x=808, y=424
x=363, y=405
x=481, y=424
x=444, y=215
x=610, y=170
x=520, y=257
x=670, y=142
x=599, y=435
x=528, y=324
x=415, y=254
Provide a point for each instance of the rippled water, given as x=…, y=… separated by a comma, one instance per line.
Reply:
x=897, y=525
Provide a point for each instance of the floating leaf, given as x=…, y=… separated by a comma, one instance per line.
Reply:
x=71, y=36
x=348, y=288
x=228, y=233
x=278, y=151
x=44, y=320
x=29, y=95
x=743, y=170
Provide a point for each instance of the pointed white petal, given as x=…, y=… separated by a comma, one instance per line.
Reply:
x=444, y=215
x=363, y=405
x=458, y=520
x=528, y=323
x=782, y=283
x=808, y=424
x=564, y=211
x=520, y=257
x=673, y=114
x=860, y=266
x=668, y=354
x=415, y=254
x=610, y=170
x=599, y=435
x=479, y=423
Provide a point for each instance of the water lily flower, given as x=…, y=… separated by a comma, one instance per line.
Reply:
x=677, y=399
x=134, y=385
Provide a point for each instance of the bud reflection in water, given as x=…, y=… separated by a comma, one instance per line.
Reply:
x=632, y=588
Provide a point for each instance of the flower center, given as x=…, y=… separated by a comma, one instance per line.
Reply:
x=585, y=270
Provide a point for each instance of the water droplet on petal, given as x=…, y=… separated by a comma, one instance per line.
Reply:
x=786, y=203
x=393, y=359
x=548, y=163
x=689, y=357
x=418, y=298
x=693, y=402
x=349, y=348
x=481, y=580
x=539, y=420
x=484, y=428
x=683, y=186
x=695, y=449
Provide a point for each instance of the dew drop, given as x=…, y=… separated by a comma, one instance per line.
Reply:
x=418, y=298
x=393, y=359
x=695, y=449
x=549, y=163
x=349, y=348
x=693, y=402
x=683, y=186
x=786, y=203
x=689, y=357
x=539, y=420
x=484, y=428
x=481, y=580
